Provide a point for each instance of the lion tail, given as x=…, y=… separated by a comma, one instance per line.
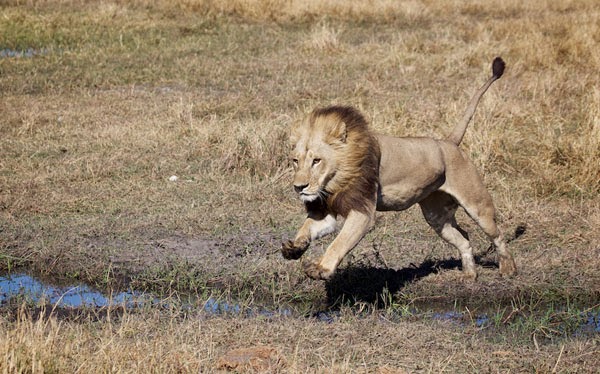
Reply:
x=459, y=130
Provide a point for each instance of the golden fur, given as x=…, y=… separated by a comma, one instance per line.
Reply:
x=342, y=170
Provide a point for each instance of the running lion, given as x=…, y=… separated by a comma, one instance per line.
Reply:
x=342, y=171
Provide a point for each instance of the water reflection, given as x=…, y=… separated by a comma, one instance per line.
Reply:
x=19, y=53
x=30, y=289
x=24, y=286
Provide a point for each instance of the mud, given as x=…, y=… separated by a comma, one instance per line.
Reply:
x=222, y=252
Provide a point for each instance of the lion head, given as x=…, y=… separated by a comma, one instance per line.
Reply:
x=335, y=159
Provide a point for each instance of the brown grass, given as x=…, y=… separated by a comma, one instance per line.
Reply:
x=121, y=95
x=161, y=343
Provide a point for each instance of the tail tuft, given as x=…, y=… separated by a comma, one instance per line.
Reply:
x=498, y=67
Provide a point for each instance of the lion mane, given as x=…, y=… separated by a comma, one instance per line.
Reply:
x=355, y=182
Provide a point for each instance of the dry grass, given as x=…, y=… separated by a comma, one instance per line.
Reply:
x=323, y=38
x=121, y=95
x=165, y=343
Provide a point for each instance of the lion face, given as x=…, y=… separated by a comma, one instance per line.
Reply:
x=317, y=143
x=336, y=160
x=315, y=164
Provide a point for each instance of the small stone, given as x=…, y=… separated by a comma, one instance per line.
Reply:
x=260, y=358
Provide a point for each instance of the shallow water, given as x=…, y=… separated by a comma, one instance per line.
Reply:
x=27, y=53
x=590, y=321
x=30, y=289
x=81, y=296
x=459, y=318
x=77, y=296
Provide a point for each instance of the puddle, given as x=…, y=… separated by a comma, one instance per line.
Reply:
x=589, y=321
x=592, y=323
x=27, y=53
x=79, y=296
x=461, y=318
x=82, y=296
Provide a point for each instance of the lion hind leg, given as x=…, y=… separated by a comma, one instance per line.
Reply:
x=507, y=262
x=483, y=213
x=439, y=209
x=485, y=218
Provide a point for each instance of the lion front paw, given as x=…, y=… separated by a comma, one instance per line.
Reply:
x=315, y=271
x=292, y=250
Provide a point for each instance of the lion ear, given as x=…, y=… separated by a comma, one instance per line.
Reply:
x=296, y=132
x=339, y=131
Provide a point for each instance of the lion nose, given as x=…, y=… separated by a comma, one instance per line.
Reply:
x=299, y=187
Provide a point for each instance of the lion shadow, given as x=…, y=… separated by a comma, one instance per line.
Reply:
x=370, y=284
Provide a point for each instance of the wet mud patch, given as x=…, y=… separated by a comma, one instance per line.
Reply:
x=201, y=249
x=223, y=253
x=546, y=322
x=179, y=248
x=235, y=263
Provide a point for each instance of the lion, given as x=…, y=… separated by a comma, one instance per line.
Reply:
x=344, y=172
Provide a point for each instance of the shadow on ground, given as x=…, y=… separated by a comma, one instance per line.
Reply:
x=369, y=284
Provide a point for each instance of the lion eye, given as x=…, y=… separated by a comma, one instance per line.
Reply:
x=316, y=161
x=295, y=161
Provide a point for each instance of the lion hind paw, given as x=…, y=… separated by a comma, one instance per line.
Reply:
x=508, y=267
